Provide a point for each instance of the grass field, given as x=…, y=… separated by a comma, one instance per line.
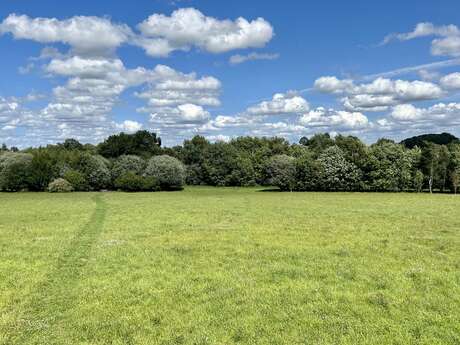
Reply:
x=229, y=266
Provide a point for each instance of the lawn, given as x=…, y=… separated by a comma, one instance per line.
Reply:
x=229, y=266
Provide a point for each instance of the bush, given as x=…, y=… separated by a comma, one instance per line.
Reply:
x=281, y=170
x=77, y=180
x=42, y=171
x=96, y=171
x=60, y=186
x=168, y=171
x=127, y=163
x=130, y=182
x=15, y=171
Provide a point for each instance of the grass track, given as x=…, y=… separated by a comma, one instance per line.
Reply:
x=43, y=308
x=229, y=266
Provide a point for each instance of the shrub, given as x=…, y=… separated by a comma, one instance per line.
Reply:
x=15, y=171
x=130, y=182
x=77, y=180
x=60, y=186
x=127, y=163
x=42, y=171
x=96, y=171
x=168, y=171
x=281, y=170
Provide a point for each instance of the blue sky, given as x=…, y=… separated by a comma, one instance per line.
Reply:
x=87, y=69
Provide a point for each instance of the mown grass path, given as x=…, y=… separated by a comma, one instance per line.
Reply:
x=42, y=311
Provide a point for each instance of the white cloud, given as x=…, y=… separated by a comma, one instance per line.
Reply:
x=238, y=59
x=451, y=81
x=280, y=104
x=192, y=113
x=331, y=84
x=129, y=126
x=406, y=112
x=188, y=27
x=322, y=117
x=447, y=43
x=86, y=35
x=408, y=118
x=380, y=93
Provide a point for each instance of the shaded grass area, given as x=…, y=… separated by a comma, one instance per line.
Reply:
x=229, y=266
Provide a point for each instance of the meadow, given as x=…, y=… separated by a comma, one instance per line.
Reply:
x=229, y=266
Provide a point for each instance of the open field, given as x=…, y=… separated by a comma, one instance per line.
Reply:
x=229, y=266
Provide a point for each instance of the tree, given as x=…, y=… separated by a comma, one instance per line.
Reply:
x=318, y=142
x=435, y=162
x=141, y=143
x=418, y=181
x=15, y=170
x=391, y=166
x=168, y=171
x=455, y=166
x=338, y=173
x=42, y=170
x=219, y=163
x=96, y=171
x=72, y=144
x=308, y=172
x=282, y=172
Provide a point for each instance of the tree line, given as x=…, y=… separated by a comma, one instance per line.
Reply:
x=138, y=162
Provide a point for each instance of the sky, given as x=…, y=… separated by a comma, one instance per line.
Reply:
x=222, y=69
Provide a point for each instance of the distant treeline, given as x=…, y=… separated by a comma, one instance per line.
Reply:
x=137, y=162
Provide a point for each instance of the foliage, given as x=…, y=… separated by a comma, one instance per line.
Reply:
x=168, y=171
x=15, y=171
x=338, y=173
x=60, y=185
x=127, y=163
x=309, y=172
x=391, y=166
x=418, y=181
x=72, y=144
x=141, y=143
x=321, y=162
x=131, y=182
x=42, y=170
x=77, y=180
x=95, y=170
x=282, y=172
x=422, y=140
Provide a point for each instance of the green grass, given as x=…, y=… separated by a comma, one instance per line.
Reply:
x=229, y=266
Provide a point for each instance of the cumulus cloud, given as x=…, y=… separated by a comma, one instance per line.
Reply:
x=446, y=43
x=380, y=93
x=238, y=58
x=322, y=117
x=86, y=35
x=408, y=118
x=188, y=27
x=280, y=104
x=177, y=99
x=451, y=81
x=129, y=126
x=331, y=84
